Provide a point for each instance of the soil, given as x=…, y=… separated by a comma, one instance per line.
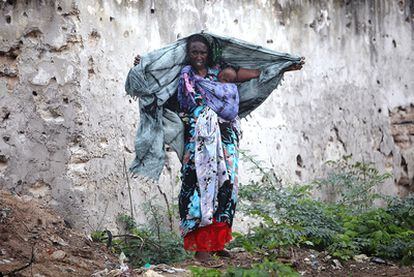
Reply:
x=35, y=237
x=320, y=265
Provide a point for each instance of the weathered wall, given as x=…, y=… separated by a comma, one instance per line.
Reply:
x=66, y=125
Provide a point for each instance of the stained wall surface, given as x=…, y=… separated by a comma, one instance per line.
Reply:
x=67, y=128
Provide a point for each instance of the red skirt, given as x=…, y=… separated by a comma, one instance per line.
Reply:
x=209, y=238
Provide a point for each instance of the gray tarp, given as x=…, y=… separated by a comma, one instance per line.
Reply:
x=155, y=80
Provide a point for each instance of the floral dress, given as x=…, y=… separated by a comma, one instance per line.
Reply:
x=199, y=235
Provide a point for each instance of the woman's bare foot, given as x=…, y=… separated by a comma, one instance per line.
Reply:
x=205, y=259
x=202, y=256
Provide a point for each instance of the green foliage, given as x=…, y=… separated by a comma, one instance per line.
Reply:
x=347, y=226
x=205, y=272
x=145, y=244
x=265, y=269
x=352, y=184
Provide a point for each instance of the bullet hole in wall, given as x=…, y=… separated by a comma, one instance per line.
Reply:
x=6, y=138
x=65, y=100
x=404, y=164
x=6, y=115
x=394, y=43
x=8, y=19
x=111, y=18
x=236, y=21
x=34, y=93
x=299, y=161
x=269, y=41
x=378, y=82
x=25, y=14
x=3, y=159
x=379, y=110
x=59, y=8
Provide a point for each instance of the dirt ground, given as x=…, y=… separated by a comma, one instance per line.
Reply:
x=35, y=241
x=34, y=236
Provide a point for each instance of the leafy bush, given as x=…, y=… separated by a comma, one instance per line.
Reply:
x=142, y=245
x=352, y=184
x=264, y=269
x=346, y=227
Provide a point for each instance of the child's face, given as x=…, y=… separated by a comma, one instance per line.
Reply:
x=227, y=75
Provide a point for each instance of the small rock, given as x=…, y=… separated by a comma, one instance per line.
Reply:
x=307, y=261
x=70, y=270
x=361, y=258
x=58, y=240
x=377, y=260
x=58, y=255
x=151, y=273
x=100, y=273
x=5, y=261
x=327, y=258
x=237, y=250
x=336, y=264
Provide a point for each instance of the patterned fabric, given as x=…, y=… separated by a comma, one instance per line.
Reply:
x=209, y=190
x=223, y=98
x=209, y=163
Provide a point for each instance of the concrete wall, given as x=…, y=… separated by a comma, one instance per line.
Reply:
x=66, y=125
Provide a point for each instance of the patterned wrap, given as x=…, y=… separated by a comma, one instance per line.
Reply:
x=209, y=171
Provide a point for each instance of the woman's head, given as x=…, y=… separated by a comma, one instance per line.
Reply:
x=199, y=53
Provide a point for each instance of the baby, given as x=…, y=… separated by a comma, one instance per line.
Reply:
x=227, y=75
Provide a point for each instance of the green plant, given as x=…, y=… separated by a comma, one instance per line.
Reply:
x=352, y=184
x=265, y=269
x=143, y=245
x=348, y=226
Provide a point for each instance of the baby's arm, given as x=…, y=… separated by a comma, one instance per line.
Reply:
x=244, y=74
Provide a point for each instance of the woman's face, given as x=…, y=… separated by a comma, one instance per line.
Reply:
x=198, y=54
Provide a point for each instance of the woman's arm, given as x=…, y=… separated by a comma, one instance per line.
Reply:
x=244, y=74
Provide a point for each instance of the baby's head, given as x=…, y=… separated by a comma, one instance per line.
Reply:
x=228, y=75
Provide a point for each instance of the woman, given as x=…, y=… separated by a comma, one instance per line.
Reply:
x=218, y=202
x=208, y=195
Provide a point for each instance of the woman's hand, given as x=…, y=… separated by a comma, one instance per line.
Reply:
x=137, y=59
x=297, y=66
